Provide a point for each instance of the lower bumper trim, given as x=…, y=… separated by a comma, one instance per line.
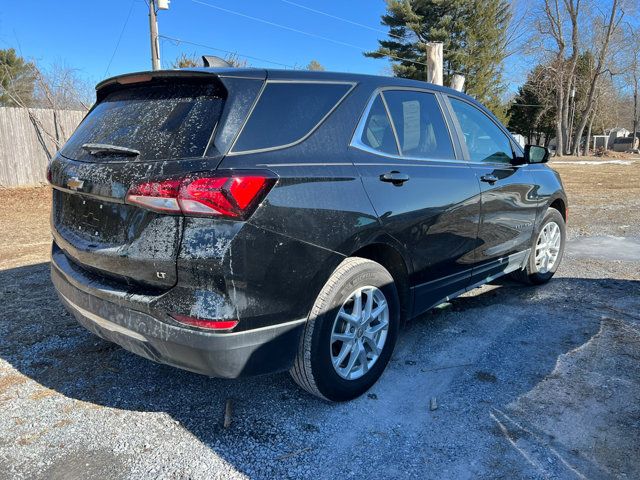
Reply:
x=228, y=355
x=103, y=322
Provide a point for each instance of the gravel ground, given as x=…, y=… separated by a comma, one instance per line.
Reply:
x=529, y=382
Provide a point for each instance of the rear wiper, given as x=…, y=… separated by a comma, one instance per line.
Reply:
x=105, y=149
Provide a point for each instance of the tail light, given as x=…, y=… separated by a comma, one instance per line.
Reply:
x=219, y=325
x=233, y=196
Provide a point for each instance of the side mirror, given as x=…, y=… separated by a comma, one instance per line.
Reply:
x=536, y=154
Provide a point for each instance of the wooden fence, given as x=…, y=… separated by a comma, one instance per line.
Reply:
x=28, y=140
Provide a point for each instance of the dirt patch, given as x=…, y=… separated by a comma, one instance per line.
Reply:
x=604, y=198
x=9, y=381
x=26, y=234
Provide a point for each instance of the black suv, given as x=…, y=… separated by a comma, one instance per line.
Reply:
x=243, y=221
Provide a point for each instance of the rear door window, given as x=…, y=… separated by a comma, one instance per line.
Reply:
x=422, y=131
x=161, y=120
x=286, y=112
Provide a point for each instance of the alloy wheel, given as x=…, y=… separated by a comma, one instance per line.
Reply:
x=548, y=247
x=359, y=332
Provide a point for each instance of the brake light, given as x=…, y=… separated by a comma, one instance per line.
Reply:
x=234, y=196
x=160, y=196
x=220, y=325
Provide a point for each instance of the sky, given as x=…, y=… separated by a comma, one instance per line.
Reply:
x=84, y=34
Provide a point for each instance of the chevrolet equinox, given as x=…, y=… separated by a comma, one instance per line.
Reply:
x=243, y=221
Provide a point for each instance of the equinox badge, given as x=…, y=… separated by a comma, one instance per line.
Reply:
x=74, y=183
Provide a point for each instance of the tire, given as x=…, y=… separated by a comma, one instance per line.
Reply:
x=313, y=368
x=535, y=273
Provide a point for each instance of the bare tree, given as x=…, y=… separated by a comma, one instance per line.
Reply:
x=61, y=88
x=609, y=27
x=632, y=76
x=185, y=60
x=315, y=65
x=559, y=26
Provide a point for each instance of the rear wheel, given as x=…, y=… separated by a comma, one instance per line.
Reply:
x=350, y=333
x=546, y=251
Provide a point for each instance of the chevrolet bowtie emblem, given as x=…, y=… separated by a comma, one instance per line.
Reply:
x=74, y=183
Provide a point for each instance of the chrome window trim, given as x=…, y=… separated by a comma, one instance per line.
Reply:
x=356, y=141
x=391, y=122
x=301, y=139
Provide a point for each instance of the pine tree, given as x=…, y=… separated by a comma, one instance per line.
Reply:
x=17, y=79
x=532, y=113
x=474, y=37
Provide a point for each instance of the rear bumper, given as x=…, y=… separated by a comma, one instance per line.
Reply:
x=227, y=355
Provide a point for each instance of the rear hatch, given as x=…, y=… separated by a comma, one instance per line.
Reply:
x=142, y=129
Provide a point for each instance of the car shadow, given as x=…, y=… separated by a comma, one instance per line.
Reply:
x=43, y=342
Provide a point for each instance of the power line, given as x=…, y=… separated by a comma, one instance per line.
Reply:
x=178, y=41
x=273, y=24
x=126, y=22
x=368, y=27
x=361, y=25
x=302, y=32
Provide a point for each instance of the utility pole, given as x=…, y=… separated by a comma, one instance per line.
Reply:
x=153, y=30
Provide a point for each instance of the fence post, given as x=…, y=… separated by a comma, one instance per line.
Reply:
x=434, y=62
x=457, y=82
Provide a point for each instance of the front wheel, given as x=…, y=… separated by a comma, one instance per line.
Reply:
x=546, y=251
x=350, y=333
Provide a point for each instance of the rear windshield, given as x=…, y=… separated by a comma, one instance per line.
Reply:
x=162, y=121
x=288, y=111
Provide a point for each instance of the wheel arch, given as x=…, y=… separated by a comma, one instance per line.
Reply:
x=560, y=204
x=390, y=258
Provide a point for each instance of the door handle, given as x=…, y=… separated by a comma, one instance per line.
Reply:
x=394, y=177
x=489, y=178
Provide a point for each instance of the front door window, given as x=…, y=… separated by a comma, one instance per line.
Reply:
x=485, y=141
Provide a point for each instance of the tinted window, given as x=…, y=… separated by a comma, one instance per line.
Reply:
x=377, y=133
x=485, y=141
x=162, y=121
x=419, y=124
x=286, y=112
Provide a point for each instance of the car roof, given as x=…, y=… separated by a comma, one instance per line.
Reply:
x=372, y=81
x=279, y=74
x=292, y=75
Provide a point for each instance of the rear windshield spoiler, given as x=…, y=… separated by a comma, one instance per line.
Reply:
x=186, y=73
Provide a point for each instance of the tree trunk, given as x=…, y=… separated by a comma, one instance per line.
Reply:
x=566, y=110
x=635, y=113
x=559, y=142
x=585, y=150
x=573, y=10
x=559, y=124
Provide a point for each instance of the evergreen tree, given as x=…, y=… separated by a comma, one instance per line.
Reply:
x=532, y=113
x=17, y=79
x=474, y=37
